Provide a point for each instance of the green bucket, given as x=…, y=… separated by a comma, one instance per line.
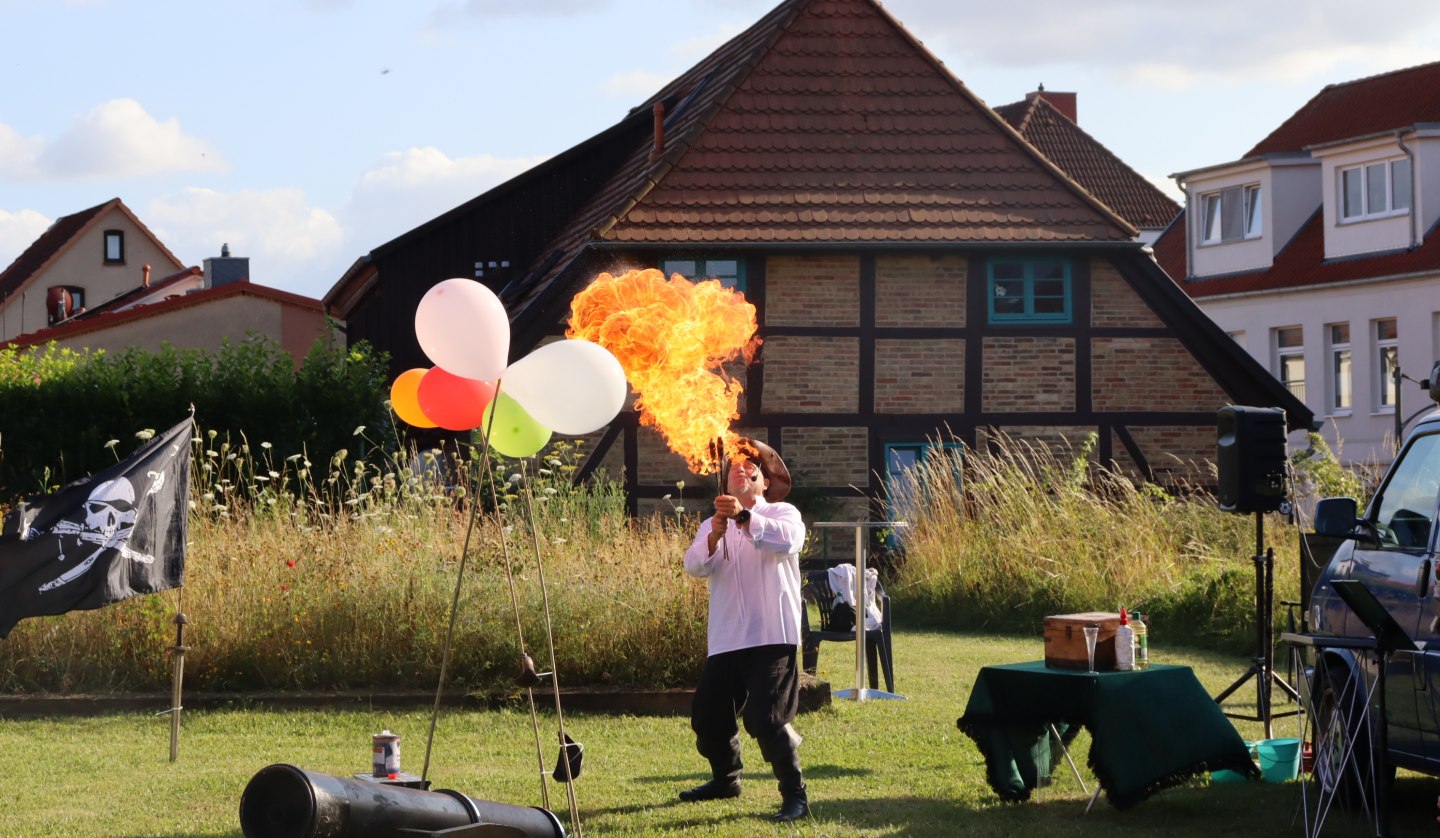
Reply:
x=1279, y=759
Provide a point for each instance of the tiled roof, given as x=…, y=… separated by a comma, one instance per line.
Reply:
x=43, y=249
x=1357, y=108
x=826, y=122
x=136, y=295
x=1301, y=264
x=1089, y=163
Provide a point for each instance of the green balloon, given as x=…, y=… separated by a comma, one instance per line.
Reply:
x=513, y=433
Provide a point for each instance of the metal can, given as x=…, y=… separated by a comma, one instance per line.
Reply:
x=385, y=747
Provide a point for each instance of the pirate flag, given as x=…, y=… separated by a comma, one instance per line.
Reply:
x=104, y=538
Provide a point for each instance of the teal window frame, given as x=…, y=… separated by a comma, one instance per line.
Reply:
x=1029, y=291
x=730, y=271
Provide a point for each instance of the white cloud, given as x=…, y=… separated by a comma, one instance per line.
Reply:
x=407, y=188
x=18, y=154
x=284, y=238
x=1167, y=45
x=119, y=139
x=18, y=230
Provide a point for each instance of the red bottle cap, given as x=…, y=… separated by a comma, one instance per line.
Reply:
x=1124, y=618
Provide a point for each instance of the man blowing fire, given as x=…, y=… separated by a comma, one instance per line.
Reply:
x=749, y=553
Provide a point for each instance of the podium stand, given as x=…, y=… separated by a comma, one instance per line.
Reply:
x=861, y=693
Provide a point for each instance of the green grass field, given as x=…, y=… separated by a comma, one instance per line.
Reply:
x=880, y=768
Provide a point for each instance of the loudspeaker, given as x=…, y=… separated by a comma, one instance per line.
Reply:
x=1250, y=456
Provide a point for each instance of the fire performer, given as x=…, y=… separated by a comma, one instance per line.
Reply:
x=749, y=553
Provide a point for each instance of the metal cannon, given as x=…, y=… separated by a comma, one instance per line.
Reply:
x=283, y=801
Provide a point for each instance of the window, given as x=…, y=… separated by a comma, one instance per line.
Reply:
x=730, y=272
x=1290, y=359
x=1375, y=190
x=1029, y=291
x=1339, y=336
x=114, y=246
x=1407, y=503
x=1387, y=352
x=1231, y=214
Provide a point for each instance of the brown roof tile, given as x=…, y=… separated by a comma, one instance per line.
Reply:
x=827, y=107
x=43, y=249
x=1089, y=163
x=1370, y=105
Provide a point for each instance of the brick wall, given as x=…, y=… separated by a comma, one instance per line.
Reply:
x=1149, y=374
x=1028, y=373
x=827, y=456
x=1060, y=441
x=1175, y=452
x=919, y=376
x=920, y=290
x=811, y=375
x=812, y=290
x=1113, y=302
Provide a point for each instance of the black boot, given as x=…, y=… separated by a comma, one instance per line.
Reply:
x=724, y=765
x=780, y=749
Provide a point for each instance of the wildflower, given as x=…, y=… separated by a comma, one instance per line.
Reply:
x=289, y=562
x=274, y=474
x=679, y=509
x=515, y=478
x=679, y=485
x=267, y=446
x=293, y=457
x=145, y=434
x=211, y=433
x=544, y=472
x=112, y=443
x=358, y=430
x=550, y=490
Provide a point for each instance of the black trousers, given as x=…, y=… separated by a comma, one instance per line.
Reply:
x=761, y=683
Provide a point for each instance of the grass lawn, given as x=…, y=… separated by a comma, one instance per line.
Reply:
x=882, y=768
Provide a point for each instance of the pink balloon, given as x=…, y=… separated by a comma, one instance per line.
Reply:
x=463, y=328
x=452, y=402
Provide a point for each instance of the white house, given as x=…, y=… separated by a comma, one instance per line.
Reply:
x=1317, y=251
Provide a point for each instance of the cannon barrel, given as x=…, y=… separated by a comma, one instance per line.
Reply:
x=283, y=801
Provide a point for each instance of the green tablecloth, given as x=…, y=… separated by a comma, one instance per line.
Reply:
x=1149, y=729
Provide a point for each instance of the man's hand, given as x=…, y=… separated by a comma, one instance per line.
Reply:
x=718, y=524
x=727, y=506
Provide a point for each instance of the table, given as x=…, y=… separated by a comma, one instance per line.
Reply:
x=1150, y=729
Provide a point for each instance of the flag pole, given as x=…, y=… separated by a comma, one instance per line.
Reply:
x=177, y=682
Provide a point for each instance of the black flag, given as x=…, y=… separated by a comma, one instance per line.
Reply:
x=107, y=537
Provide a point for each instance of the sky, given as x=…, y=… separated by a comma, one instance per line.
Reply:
x=305, y=133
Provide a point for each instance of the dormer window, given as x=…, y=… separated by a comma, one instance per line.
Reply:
x=1375, y=190
x=114, y=247
x=1231, y=214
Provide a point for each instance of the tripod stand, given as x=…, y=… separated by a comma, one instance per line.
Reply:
x=1263, y=668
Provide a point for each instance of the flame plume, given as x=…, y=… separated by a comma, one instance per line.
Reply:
x=672, y=338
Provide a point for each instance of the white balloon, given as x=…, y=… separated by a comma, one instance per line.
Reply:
x=570, y=386
x=463, y=329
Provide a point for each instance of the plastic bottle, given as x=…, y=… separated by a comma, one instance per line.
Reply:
x=1124, y=644
x=1142, y=642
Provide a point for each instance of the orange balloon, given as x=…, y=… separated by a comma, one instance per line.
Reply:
x=452, y=402
x=403, y=399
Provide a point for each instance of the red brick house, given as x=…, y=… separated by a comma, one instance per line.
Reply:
x=921, y=272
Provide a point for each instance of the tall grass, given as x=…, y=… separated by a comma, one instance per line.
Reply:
x=339, y=573
x=1001, y=538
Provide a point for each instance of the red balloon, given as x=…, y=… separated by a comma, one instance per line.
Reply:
x=452, y=402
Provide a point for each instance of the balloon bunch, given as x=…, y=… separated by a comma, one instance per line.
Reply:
x=569, y=386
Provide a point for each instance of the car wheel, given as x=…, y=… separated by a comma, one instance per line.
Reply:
x=1344, y=765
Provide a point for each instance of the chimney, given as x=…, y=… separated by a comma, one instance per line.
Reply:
x=1063, y=102
x=224, y=269
x=145, y=276
x=659, y=148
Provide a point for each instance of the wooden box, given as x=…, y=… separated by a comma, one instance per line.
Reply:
x=1065, y=640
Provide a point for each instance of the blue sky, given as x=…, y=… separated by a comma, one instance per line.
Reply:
x=306, y=132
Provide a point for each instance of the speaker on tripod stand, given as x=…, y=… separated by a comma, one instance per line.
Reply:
x=1250, y=457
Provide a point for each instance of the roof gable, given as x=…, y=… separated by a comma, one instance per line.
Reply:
x=1089, y=163
x=60, y=237
x=1371, y=105
x=827, y=122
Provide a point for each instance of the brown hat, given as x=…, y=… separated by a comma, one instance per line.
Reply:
x=770, y=465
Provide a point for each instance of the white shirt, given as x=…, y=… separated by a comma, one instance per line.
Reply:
x=754, y=577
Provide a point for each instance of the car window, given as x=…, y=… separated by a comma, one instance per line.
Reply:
x=1407, y=506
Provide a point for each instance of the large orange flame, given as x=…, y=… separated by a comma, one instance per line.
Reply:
x=672, y=338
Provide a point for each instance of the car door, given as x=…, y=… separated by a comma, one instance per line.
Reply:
x=1397, y=566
